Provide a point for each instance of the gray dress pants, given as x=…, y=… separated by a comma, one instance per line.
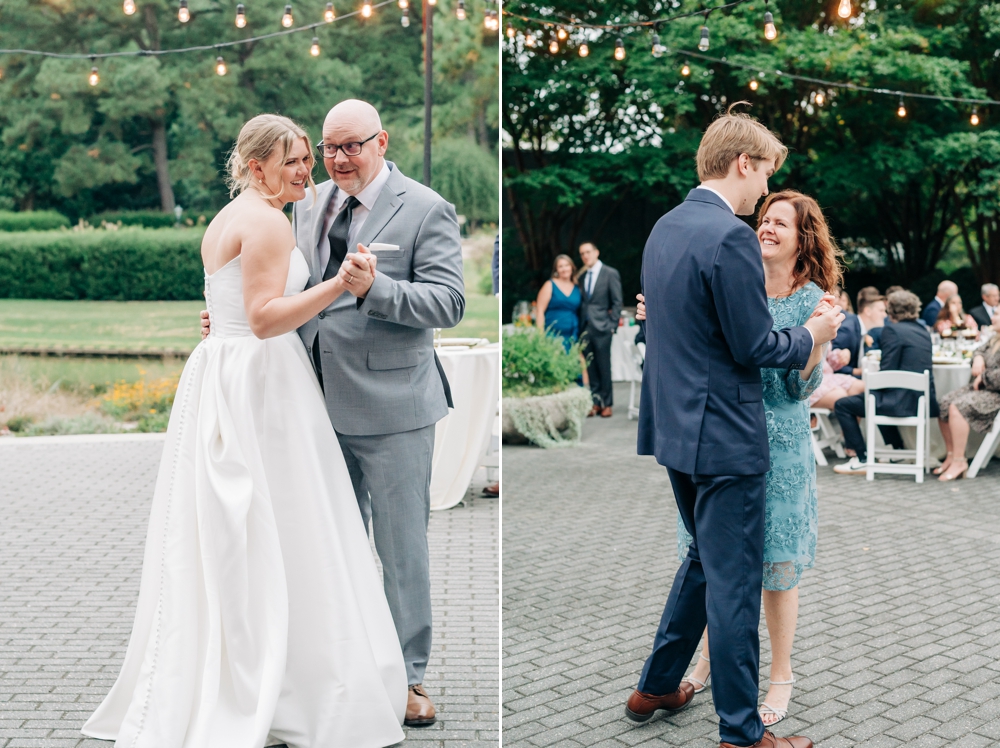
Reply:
x=391, y=474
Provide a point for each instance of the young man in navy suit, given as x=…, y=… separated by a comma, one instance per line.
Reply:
x=702, y=416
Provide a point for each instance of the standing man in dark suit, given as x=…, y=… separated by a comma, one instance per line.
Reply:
x=983, y=314
x=906, y=346
x=702, y=416
x=601, y=287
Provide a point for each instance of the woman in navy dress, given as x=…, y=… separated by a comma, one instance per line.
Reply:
x=557, y=310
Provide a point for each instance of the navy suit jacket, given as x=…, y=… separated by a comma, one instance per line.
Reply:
x=708, y=332
x=849, y=338
x=906, y=346
x=876, y=335
x=931, y=312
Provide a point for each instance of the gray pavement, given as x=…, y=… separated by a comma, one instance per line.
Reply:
x=73, y=521
x=899, y=631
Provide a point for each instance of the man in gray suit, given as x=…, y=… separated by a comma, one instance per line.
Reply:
x=601, y=288
x=374, y=352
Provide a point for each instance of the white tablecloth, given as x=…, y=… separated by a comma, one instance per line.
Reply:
x=463, y=436
x=623, y=365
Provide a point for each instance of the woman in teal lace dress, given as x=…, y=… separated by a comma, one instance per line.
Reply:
x=801, y=263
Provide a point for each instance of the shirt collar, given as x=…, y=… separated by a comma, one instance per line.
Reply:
x=597, y=267
x=369, y=194
x=728, y=204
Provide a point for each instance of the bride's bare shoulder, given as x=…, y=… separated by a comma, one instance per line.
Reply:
x=243, y=226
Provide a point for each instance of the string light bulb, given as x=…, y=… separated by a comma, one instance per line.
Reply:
x=241, y=16
x=129, y=7
x=314, y=49
x=562, y=34
x=901, y=112
x=511, y=31
x=529, y=38
x=820, y=98
x=619, y=49
x=460, y=10
x=845, y=10
x=366, y=9
x=220, y=66
x=770, y=32
x=685, y=70
x=287, y=19
x=754, y=85
x=183, y=14
x=554, y=47
x=703, y=42
x=491, y=22
x=584, y=50
x=94, y=78
x=974, y=119
x=329, y=14
x=404, y=21
x=658, y=49
x=432, y=2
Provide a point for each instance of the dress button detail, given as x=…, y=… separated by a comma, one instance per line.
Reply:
x=322, y=315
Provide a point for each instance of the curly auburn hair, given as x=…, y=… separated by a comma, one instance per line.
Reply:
x=819, y=255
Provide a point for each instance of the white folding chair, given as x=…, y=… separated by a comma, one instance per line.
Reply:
x=906, y=380
x=828, y=436
x=638, y=356
x=986, y=449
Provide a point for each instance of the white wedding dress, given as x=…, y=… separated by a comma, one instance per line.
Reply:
x=261, y=617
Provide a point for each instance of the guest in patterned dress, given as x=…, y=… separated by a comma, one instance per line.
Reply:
x=801, y=262
x=975, y=405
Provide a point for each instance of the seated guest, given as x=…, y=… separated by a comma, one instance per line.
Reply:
x=984, y=313
x=952, y=317
x=557, y=310
x=945, y=290
x=871, y=315
x=834, y=385
x=976, y=405
x=906, y=346
x=847, y=344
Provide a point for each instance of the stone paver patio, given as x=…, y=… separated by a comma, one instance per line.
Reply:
x=899, y=632
x=73, y=521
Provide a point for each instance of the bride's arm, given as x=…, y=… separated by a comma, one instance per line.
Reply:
x=266, y=252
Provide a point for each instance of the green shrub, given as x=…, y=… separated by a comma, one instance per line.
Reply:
x=19, y=423
x=537, y=364
x=32, y=220
x=131, y=264
x=88, y=423
x=150, y=219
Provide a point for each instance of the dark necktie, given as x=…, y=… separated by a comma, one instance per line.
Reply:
x=338, y=237
x=587, y=283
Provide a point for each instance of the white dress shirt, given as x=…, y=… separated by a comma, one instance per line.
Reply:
x=594, y=272
x=991, y=310
x=366, y=197
x=729, y=204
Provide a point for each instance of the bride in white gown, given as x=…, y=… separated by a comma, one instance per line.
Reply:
x=261, y=617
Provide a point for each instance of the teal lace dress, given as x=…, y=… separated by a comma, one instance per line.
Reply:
x=791, y=515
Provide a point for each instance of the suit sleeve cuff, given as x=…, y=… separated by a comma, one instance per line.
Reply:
x=377, y=299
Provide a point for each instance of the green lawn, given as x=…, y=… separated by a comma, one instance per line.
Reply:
x=154, y=325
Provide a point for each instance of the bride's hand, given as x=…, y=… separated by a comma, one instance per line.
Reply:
x=205, y=324
x=358, y=271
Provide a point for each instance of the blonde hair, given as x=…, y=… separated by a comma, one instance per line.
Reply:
x=257, y=140
x=730, y=135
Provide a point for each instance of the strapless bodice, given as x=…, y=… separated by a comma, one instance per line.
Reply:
x=224, y=294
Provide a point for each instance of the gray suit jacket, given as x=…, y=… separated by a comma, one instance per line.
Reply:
x=599, y=314
x=380, y=372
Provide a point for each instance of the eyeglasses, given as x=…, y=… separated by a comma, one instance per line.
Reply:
x=329, y=150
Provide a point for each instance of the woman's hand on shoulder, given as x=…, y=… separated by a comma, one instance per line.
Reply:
x=640, y=308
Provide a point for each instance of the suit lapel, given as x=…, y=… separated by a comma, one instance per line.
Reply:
x=385, y=208
x=317, y=215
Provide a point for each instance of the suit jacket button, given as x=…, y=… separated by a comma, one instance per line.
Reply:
x=322, y=315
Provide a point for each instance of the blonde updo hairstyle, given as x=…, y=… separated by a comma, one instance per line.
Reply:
x=258, y=140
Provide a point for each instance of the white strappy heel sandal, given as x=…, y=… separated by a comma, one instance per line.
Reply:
x=699, y=685
x=766, y=708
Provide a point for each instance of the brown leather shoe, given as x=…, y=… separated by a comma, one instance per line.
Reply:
x=419, y=708
x=770, y=740
x=606, y=412
x=642, y=706
x=596, y=410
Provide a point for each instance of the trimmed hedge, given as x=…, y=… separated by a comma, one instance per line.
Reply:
x=32, y=220
x=127, y=265
x=150, y=219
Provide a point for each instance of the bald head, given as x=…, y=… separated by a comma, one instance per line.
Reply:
x=355, y=121
x=946, y=289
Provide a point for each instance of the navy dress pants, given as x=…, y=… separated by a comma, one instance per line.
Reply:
x=719, y=583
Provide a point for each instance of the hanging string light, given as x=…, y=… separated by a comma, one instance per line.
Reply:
x=94, y=78
x=974, y=119
x=493, y=21
x=754, y=85
x=241, y=16
x=404, y=21
x=619, y=49
x=220, y=66
x=770, y=32
x=287, y=19
x=404, y=4
x=901, y=112
x=685, y=71
x=703, y=42
x=183, y=14
x=584, y=50
x=460, y=10
x=820, y=98
x=366, y=9
x=562, y=34
x=845, y=10
x=314, y=49
x=658, y=49
x=511, y=31
x=529, y=38
x=554, y=47
x=329, y=14
x=129, y=7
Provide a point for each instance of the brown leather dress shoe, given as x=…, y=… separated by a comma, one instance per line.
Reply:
x=606, y=412
x=419, y=708
x=596, y=410
x=770, y=740
x=642, y=706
